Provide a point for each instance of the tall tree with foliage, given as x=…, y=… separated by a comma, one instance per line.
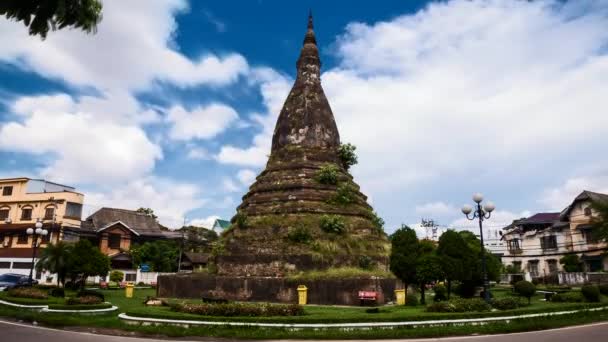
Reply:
x=40, y=16
x=456, y=258
x=55, y=259
x=428, y=269
x=600, y=222
x=404, y=254
x=571, y=263
x=161, y=255
x=86, y=260
x=147, y=211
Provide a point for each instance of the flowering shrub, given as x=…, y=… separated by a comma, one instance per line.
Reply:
x=240, y=309
x=28, y=292
x=459, y=305
x=83, y=300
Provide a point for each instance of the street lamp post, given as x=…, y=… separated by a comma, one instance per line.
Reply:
x=481, y=213
x=35, y=232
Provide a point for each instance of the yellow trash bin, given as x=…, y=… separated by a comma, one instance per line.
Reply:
x=302, y=294
x=400, y=296
x=129, y=290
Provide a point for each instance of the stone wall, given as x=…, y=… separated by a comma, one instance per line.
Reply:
x=329, y=292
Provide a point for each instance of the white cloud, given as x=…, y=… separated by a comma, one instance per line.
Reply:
x=170, y=200
x=198, y=153
x=201, y=122
x=230, y=186
x=76, y=145
x=133, y=46
x=274, y=88
x=246, y=176
x=556, y=199
x=436, y=208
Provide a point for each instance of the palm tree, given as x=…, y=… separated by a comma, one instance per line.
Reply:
x=54, y=258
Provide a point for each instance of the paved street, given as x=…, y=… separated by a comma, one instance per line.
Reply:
x=27, y=333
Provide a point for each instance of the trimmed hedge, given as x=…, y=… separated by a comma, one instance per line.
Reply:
x=460, y=305
x=240, y=309
x=568, y=297
x=89, y=293
x=507, y=303
x=84, y=300
x=591, y=293
x=25, y=301
x=57, y=292
x=80, y=307
x=604, y=289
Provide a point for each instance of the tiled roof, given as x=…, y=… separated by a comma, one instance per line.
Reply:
x=540, y=218
x=583, y=196
x=223, y=223
x=197, y=258
x=141, y=223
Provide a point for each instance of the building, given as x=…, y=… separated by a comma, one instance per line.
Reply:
x=537, y=243
x=23, y=202
x=115, y=231
x=220, y=225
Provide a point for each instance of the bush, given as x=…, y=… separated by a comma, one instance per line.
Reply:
x=84, y=300
x=366, y=262
x=240, y=309
x=411, y=300
x=88, y=293
x=460, y=305
x=345, y=194
x=328, y=174
x=240, y=220
x=567, y=297
x=116, y=276
x=441, y=293
x=57, y=292
x=591, y=293
x=507, y=303
x=28, y=292
x=378, y=222
x=372, y=310
x=604, y=289
x=332, y=224
x=141, y=283
x=80, y=306
x=299, y=234
x=525, y=289
x=347, y=155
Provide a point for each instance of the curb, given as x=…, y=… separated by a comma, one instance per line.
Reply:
x=365, y=325
x=34, y=307
x=94, y=311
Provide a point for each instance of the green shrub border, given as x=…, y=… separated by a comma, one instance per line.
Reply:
x=143, y=313
x=80, y=307
x=26, y=301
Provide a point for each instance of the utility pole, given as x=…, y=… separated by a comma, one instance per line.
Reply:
x=181, y=247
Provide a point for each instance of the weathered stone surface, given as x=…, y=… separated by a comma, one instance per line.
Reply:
x=287, y=195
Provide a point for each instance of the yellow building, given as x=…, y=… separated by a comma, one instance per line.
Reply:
x=23, y=202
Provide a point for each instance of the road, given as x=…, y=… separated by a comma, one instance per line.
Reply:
x=27, y=333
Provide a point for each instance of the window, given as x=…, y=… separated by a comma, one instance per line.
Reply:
x=22, y=238
x=548, y=242
x=73, y=210
x=552, y=265
x=114, y=241
x=130, y=276
x=513, y=246
x=5, y=264
x=533, y=268
x=589, y=236
x=4, y=214
x=26, y=214
x=587, y=211
x=49, y=213
x=22, y=265
x=7, y=191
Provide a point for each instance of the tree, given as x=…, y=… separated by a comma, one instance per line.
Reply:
x=428, y=269
x=404, y=253
x=162, y=255
x=525, y=289
x=147, y=211
x=571, y=263
x=116, y=276
x=86, y=260
x=347, y=155
x=600, y=223
x=40, y=16
x=493, y=264
x=55, y=258
x=456, y=258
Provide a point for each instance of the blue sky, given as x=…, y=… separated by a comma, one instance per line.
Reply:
x=171, y=105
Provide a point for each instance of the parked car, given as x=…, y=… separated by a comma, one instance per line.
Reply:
x=11, y=280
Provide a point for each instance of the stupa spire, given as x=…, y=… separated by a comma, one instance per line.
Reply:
x=309, y=53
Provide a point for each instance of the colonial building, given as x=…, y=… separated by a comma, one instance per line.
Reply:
x=25, y=201
x=536, y=244
x=115, y=231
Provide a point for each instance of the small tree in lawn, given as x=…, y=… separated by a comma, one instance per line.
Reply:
x=86, y=261
x=404, y=253
x=525, y=289
x=116, y=276
x=428, y=269
x=55, y=258
x=456, y=256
